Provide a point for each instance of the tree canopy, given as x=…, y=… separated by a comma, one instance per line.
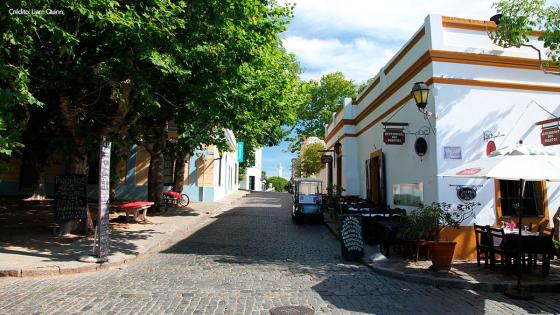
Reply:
x=127, y=69
x=322, y=98
x=310, y=159
x=277, y=182
x=519, y=18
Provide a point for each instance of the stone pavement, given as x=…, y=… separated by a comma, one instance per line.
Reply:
x=467, y=275
x=52, y=256
x=246, y=261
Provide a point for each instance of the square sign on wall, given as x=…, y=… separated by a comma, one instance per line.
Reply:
x=240, y=150
x=452, y=153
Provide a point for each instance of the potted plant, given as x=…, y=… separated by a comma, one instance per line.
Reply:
x=331, y=202
x=426, y=223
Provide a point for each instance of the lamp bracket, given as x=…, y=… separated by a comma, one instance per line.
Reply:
x=423, y=131
x=488, y=135
x=476, y=187
x=394, y=125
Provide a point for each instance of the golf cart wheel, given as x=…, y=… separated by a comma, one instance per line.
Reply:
x=296, y=219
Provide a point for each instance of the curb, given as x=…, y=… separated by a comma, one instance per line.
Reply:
x=451, y=283
x=459, y=284
x=172, y=239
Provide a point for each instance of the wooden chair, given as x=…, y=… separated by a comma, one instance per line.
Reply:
x=482, y=243
x=495, y=238
x=544, y=259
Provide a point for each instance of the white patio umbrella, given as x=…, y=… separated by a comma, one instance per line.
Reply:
x=521, y=163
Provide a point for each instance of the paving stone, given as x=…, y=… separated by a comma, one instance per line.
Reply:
x=247, y=261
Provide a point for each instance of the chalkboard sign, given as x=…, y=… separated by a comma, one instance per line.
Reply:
x=104, y=194
x=70, y=197
x=352, y=244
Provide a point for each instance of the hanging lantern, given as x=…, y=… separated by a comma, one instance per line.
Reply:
x=420, y=92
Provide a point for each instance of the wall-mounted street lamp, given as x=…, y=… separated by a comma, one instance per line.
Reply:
x=338, y=148
x=221, y=154
x=420, y=92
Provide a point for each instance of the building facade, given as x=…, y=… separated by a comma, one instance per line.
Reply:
x=207, y=177
x=481, y=96
x=252, y=179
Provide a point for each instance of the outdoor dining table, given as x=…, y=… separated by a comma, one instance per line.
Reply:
x=386, y=234
x=370, y=231
x=531, y=243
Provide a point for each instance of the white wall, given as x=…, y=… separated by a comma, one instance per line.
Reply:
x=462, y=114
x=255, y=171
x=227, y=184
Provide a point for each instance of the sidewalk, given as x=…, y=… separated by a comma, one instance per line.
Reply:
x=128, y=242
x=463, y=274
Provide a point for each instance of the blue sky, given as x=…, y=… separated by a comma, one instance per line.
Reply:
x=356, y=37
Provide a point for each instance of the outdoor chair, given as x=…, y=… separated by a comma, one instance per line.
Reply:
x=482, y=244
x=495, y=238
x=542, y=260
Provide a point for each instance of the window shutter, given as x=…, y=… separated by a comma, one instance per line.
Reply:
x=368, y=184
x=382, y=186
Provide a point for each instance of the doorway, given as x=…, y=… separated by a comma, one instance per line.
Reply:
x=339, y=171
x=251, y=182
x=375, y=179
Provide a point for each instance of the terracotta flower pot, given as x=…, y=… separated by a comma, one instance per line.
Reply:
x=441, y=254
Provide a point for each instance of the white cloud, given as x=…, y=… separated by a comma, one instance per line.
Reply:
x=358, y=58
x=357, y=37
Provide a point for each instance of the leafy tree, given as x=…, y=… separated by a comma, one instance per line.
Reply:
x=128, y=68
x=518, y=18
x=364, y=85
x=310, y=159
x=277, y=182
x=322, y=99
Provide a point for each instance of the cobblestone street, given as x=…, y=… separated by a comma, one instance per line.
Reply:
x=247, y=261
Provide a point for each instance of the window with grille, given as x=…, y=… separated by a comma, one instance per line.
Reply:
x=533, y=200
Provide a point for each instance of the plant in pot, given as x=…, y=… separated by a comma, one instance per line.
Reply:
x=557, y=247
x=427, y=222
x=331, y=202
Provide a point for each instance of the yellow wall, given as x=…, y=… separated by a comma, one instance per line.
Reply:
x=205, y=173
x=11, y=172
x=466, y=242
x=142, y=166
x=187, y=167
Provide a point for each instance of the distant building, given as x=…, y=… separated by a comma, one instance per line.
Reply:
x=252, y=179
x=279, y=168
x=207, y=177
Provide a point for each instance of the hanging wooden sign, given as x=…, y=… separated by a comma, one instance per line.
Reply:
x=550, y=136
x=326, y=159
x=393, y=136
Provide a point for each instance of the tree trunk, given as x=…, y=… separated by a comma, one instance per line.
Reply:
x=38, y=187
x=155, y=174
x=36, y=170
x=179, y=176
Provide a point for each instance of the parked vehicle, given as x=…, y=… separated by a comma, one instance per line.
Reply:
x=307, y=200
x=172, y=199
